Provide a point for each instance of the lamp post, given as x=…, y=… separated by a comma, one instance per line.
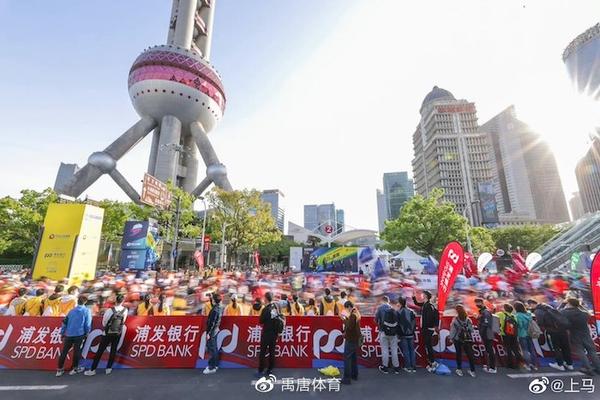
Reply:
x=203, y=226
x=175, y=234
x=225, y=224
x=470, y=208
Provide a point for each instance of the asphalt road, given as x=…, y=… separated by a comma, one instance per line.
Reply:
x=236, y=384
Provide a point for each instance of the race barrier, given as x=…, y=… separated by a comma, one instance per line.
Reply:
x=180, y=342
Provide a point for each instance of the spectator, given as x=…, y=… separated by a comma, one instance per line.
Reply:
x=486, y=332
x=268, y=317
x=296, y=307
x=461, y=334
x=256, y=308
x=52, y=303
x=113, y=322
x=69, y=301
x=17, y=305
x=556, y=325
x=161, y=309
x=145, y=308
x=406, y=334
x=311, y=309
x=341, y=302
x=580, y=337
x=328, y=304
x=213, y=322
x=509, y=334
x=524, y=321
x=75, y=328
x=429, y=324
x=387, y=321
x=352, y=336
x=35, y=306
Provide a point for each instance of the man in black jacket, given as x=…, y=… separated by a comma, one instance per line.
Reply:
x=429, y=324
x=268, y=339
x=213, y=322
x=581, y=340
x=486, y=331
x=548, y=319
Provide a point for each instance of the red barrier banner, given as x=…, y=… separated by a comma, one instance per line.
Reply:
x=595, y=285
x=451, y=263
x=180, y=342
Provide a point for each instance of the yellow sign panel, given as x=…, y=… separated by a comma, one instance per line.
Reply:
x=70, y=242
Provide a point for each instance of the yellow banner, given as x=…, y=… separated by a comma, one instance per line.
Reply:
x=70, y=242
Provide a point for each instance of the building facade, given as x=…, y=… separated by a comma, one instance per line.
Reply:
x=450, y=152
x=576, y=206
x=317, y=217
x=381, y=210
x=588, y=178
x=275, y=198
x=525, y=175
x=339, y=221
x=397, y=190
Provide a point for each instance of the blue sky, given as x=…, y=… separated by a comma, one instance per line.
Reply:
x=323, y=95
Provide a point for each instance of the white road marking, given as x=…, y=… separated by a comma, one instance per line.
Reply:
x=542, y=374
x=33, y=387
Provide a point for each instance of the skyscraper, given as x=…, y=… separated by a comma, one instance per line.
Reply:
x=576, y=206
x=317, y=217
x=526, y=180
x=339, y=221
x=450, y=152
x=381, y=210
x=588, y=178
x=275, y=198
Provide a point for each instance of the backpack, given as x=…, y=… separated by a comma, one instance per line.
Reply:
x=534, y=330
x=555, y=319
x=511, y=327
x=465, y=331
x=390, y=322
x=406, y=323
x=279, y=322
x=115, y=323
x=495, y=324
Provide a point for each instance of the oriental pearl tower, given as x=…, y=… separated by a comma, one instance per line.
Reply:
x=179, y=97
x=582, y=59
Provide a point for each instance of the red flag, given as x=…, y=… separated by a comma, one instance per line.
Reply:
x=199, y=257
x=451, y=263
x=595, y=285
x=470, y=267
x=256, y=258
x=519, y=263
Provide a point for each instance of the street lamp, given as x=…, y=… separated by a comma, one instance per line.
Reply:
x=203, y=226
x=470, y=208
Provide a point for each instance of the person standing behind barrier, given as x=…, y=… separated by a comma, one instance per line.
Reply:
x=311, y=309
x=161, y=309
x=509, y=334
x=430, y=320
x=461, y=334
x=406, y=334
x=387, y=321
x=352, y=337
x=145, y=308
x=297, y=308
x=556, y=325
x=581, y=340
x=69, y=301
x=113, y=322
x=75, y=327
x=233, y=309
x=34, y=306
x=52, y=304
x=268, y=319
x=256, y=308
x=213, y=323
x=525, y=321
x=328, y=305
x=17, y=305
x=486, y=332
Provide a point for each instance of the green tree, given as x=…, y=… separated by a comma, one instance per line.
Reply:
x=21, y=220
x=277, y=251
x=425, y=225
x=481, y=240
x=528, y=237
x=116, y=213
x=247, y=219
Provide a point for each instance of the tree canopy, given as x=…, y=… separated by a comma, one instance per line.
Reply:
x=528, y=237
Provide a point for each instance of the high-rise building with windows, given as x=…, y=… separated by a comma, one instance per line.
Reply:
x=588, y=178
x=526, y=180
x=381, y=210
x=397, y=190
x=275, y=198
x=576, y=206
x=317, y=217
x=450, y=152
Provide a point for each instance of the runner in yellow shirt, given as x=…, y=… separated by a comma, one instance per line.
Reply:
x=69, y=301
x=257, y=308
x=52, y=304
x=161, y=309
x=297, y=308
